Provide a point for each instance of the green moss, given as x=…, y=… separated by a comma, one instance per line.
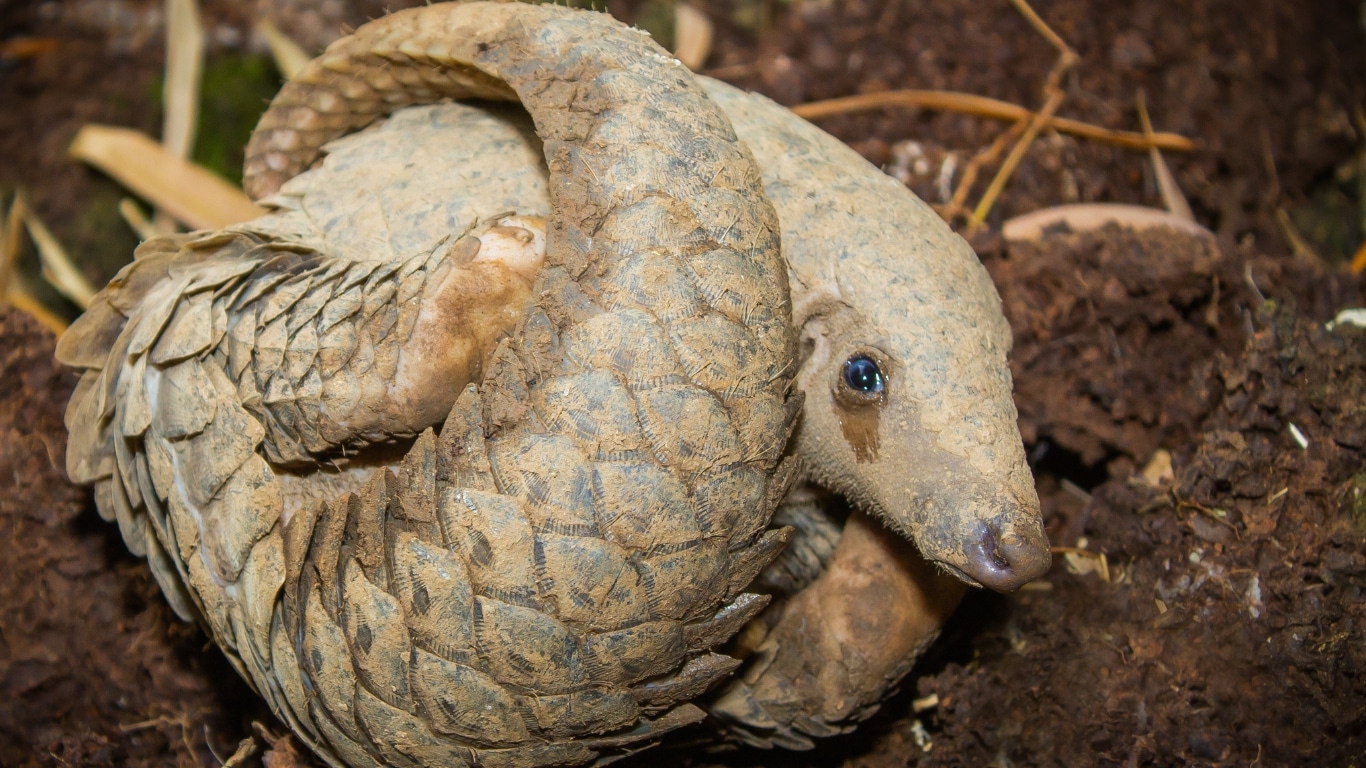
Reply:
x=235, y=90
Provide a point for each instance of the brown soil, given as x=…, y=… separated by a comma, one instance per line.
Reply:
x=1228, y=631
x=1223, y=632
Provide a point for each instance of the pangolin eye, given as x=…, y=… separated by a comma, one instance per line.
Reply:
x=861, y=374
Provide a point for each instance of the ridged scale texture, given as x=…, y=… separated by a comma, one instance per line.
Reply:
x=542, y=581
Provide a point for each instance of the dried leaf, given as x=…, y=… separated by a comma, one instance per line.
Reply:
x=192, y=194
x=692, y=36
x=1085, y=217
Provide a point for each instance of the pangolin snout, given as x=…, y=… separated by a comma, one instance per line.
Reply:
x=988, y=537
x=1002, y=558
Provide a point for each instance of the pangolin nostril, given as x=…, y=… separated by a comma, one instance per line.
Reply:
x=1001, y=557
x=991, y=548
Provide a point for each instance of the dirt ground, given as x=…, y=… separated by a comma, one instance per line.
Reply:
x=1224, y=625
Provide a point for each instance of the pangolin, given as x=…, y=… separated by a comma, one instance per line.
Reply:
x=902, y=359
x=543, y=582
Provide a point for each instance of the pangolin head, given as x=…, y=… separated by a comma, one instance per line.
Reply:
x=909, y=412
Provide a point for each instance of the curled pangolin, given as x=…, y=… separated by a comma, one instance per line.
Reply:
x=876, y=278
x=543, y=581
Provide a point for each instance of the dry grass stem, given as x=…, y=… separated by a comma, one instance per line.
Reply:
x=289, y=56
x=692, y=35
x=979, y=106
x=1172, y=197
x=11, y=241
x=12, y=292
x=192, y=194
x=184, y=70
x=137, y=221
x=1298, y=245
x=20, y=300
x=58, y=268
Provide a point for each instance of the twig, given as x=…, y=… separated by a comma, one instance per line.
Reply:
x=1043, y=29
x=1067, y=59
x=971, y=104
x=1213, y=513
x=155, y=722
x=1017, y=153
x=185, y=721
x=957, y=205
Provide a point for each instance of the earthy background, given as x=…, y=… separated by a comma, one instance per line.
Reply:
x=1225, y=625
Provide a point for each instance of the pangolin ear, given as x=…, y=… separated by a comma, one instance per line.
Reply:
x=818, y=313
x=812, y=341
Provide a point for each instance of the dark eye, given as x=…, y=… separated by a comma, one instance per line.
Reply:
x=861, y=374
